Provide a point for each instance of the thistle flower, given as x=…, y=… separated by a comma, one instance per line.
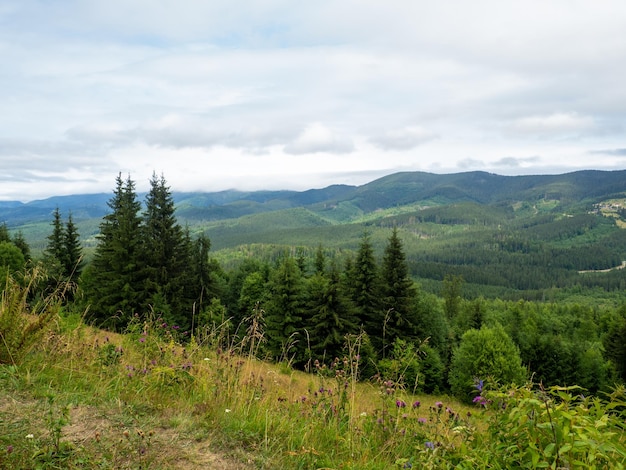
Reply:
x=416, y=404
x=400, y=404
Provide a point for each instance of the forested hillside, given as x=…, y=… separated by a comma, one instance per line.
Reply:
x=411, y=263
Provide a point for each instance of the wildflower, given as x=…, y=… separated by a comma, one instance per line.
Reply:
x=478, y=384
x=30, y=436
x=416, y=404
x=207, y=359
x=175, y=327
x=142, y=339
x=439, y=404
x=9, y=449
x=226, y=410
x=429, y=445
x=363, y=414
x=400, y=404
x=421, y=420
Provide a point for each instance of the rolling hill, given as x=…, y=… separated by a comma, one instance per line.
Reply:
x=501, y=233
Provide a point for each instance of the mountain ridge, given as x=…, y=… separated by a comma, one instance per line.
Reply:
x=388, y=191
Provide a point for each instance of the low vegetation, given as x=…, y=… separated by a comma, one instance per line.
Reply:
x=460, y=336
x=86, y=398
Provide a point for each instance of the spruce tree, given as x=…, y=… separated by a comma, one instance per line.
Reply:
x=398, y=293
x=54, y=253
x=20, y=242
x=166, y=256
x=364, y=288
x=113, y=283
x=331, y=315
x=284, y=312
x=72, y=251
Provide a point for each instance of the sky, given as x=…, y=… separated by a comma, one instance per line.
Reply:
x=278, y=94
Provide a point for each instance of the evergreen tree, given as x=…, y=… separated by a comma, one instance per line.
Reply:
x=54, y=253
x=330, y=313
x=320, y=260
x=451, y=294
x=4, y=233
x=398, y=293
x=166, y=256
x=20, y=242
x=364, y=288
x=72, y=251
x=284, y=312
x=114, y=283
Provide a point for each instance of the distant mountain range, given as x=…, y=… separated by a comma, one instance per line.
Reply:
x=395, y=190
x=513, y=236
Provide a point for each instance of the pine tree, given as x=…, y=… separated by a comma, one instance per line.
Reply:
x=20, y=242
x=284, y=311
x=398, y=293
x=331, y=315
x=54, y=253
x=114, y=283
x=166, y=255
x=364, y=288
x=72, y=251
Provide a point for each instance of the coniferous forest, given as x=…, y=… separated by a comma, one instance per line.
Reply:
x=534, y=299
x=310, y=298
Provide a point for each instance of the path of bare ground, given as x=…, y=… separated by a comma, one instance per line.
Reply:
x=100, y=431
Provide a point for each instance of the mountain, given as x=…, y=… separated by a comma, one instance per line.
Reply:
x=395, y=190
x=500, y=233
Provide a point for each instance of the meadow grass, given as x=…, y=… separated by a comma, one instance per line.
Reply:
x=87, y=398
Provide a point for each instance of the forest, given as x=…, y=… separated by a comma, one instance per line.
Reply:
x=433, y=338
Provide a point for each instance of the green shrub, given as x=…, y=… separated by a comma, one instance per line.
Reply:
x=22, y=324
x=486, y=354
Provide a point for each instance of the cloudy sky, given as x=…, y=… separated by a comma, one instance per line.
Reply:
x=279, y=94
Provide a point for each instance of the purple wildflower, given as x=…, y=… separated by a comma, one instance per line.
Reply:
x=421, y=420
x=438, y=404
x=400, y=404
x=416, y=404
x=479, y=384
x=429, y=445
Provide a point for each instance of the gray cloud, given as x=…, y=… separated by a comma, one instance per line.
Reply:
x=97, y=85
x=619, y=152
x=405, y=138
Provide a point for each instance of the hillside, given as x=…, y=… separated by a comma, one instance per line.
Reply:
x=506, y=234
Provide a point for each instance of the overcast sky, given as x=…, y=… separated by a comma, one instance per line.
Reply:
x=280, y=94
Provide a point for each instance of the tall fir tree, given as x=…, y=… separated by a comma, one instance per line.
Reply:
x=398, y=294
x=166, y=256
x=72, y=251
x=330, y=315
x=54, y=253
x=364, y=288
x=114, y=282
x=284, y=311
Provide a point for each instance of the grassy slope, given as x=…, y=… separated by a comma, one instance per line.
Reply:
x=161, y=405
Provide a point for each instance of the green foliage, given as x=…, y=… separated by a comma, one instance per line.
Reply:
x=552, y=428
x=487, y=354
x=284, y=312
x=23, y=323
x=11, y=259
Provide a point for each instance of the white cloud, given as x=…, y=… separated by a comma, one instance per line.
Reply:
x=318, y=138
x=554, y=124
x=92, y=85
x=405, y=138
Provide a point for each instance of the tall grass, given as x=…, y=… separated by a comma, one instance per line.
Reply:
x=22, y=323
x=85, y=398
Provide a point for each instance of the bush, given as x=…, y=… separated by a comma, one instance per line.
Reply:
x=487, y=354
